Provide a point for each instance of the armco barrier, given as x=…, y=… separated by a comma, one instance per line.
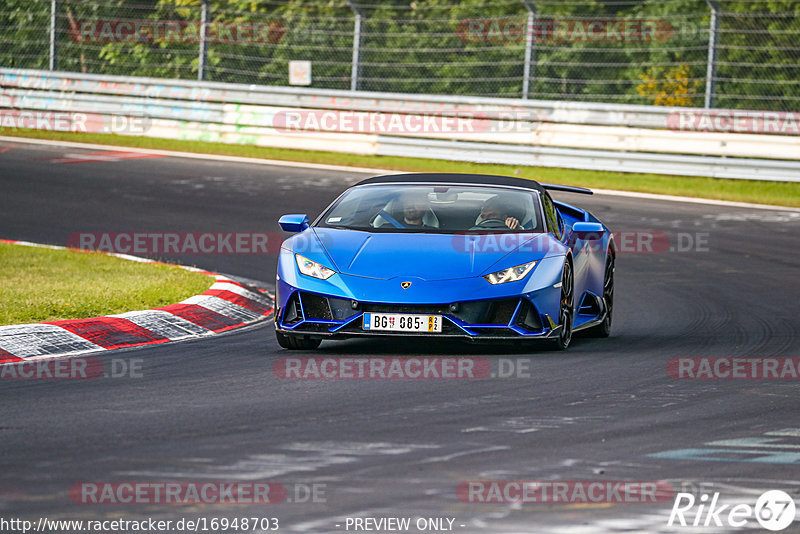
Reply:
x=518, y=132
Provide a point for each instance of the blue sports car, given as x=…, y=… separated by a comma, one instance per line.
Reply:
x=483, y=258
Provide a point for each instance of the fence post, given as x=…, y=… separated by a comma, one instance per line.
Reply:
x=203, y=56
x=713, y=41
x=529, y=38
x=355, y=69
x=53, y=37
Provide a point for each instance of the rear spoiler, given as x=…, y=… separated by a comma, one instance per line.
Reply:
x=567, y=188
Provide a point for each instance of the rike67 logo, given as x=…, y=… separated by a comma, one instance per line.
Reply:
x=774, y=510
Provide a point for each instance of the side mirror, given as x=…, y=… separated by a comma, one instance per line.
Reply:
x=587, y=230
x=294, y=223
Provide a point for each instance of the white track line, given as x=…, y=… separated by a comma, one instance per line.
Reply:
x=367, y=170
x=193, y=155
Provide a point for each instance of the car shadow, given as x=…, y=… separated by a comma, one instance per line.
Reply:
x=435, y=347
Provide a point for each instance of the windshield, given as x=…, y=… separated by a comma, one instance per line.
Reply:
x=435, y=209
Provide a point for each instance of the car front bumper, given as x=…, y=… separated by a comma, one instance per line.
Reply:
x=327, y=316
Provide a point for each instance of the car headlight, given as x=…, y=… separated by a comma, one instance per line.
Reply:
x=312, y=268
x=512, y=274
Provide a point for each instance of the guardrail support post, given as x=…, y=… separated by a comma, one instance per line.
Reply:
x=355, y=69
x=203, y=54
x=530, y=36
x=713, y=41
x=53, y=36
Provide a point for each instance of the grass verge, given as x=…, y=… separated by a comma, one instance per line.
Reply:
x=776, y=193
x=41, y=284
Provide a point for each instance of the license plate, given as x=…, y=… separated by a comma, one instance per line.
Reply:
x=402, y=322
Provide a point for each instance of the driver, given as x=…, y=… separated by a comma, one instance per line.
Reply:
x=415, y=205
x=494, y=214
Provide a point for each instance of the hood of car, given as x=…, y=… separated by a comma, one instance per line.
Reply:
x=424, y=256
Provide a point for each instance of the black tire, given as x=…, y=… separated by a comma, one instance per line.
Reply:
x=604, y=328
x=566, y=311
x=297, y=342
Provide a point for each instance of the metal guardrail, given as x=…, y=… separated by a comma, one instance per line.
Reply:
x=531, y=133
x=552, y=134
x=297, y=97
x=753, y=169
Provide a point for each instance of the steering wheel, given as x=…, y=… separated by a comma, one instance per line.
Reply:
x=491, y=223
x=394, y=222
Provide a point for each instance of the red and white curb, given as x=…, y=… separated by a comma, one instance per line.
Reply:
x=226, y=305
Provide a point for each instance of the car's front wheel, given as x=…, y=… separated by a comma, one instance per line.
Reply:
x=297, y=341
x=604, y=328
x=566, y=312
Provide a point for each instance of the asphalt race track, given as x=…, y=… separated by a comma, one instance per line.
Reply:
x=214, y=410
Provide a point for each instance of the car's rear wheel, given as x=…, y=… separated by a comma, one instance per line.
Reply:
x=604, y=328
x=566, y=311
x=297, y=341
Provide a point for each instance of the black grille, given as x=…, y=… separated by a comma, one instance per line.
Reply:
x=292, y=313
x=475, y=312
x=316, y=307
x=590, y=305
x=341, y=308
x=528, y=317
x=500, y=312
